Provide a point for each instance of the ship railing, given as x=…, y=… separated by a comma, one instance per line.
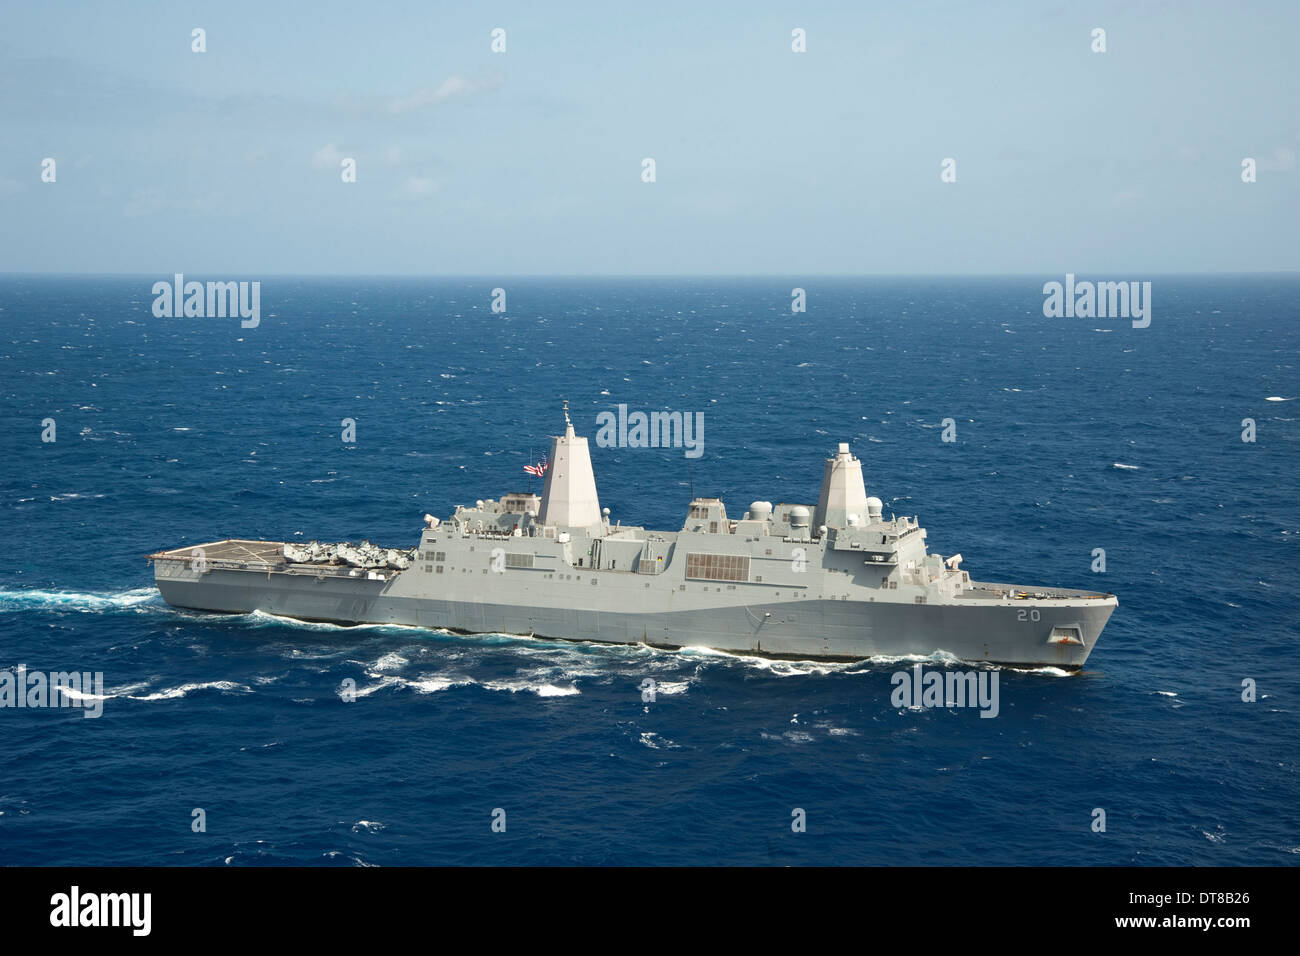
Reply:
x=987, y=591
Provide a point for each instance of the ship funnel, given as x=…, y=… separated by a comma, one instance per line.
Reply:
x=569, y=496
x=843, y=496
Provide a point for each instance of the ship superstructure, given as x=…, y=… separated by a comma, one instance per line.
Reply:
x=835, y=580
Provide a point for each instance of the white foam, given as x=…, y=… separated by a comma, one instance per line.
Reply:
x=779, y=668
x=126, y=690
x=540, y=688
x=267, y=616
x=431, y=685
x=672, y=687
x=390, y=662
x=80, y=695
x=22, y=599
x=172, y=693
x=1045, y=671
x=941, y=658
x=424, y=684
x=367, y=691
x=793, y=736
x=1125, y=467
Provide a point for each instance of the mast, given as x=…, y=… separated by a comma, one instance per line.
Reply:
x=569, y=496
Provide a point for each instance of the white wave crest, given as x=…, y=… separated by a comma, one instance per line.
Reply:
x=541, y=688
x=28, y=599
x=391, y=662
x=172, y=693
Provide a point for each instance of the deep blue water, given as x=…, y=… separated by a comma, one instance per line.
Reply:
x=176, y=431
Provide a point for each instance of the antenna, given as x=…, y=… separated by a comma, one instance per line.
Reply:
x=566, y=413
x=691, y=467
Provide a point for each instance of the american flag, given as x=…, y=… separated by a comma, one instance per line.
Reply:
x=538, y=469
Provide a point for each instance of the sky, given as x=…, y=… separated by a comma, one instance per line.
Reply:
x=767, y=161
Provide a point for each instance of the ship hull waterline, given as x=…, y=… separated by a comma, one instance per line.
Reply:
x=1011, y=633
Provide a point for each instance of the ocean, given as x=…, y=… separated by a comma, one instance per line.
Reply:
x=1071, y=435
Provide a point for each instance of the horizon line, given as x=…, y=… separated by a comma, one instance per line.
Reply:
x=654, y=275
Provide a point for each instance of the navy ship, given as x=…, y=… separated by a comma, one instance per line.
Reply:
x=833, y=581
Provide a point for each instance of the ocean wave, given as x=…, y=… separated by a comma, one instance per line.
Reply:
x=778, y=668
x=392, y=661
x=1045, y=670
x=540, y=688
x=173, y=693
x=672, y=687
x=28, y=599
x=790, y=736
x=268, y=618
x=422, y=684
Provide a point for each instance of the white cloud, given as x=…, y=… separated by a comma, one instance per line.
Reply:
x=327, y=156
x=420, y=186
x=452, y=88
x=1282, y=161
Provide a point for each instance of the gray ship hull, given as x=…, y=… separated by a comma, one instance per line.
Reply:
x=836, y=582
x=1008, y=632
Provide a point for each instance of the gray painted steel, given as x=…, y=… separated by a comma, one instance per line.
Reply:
x=766, y=584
